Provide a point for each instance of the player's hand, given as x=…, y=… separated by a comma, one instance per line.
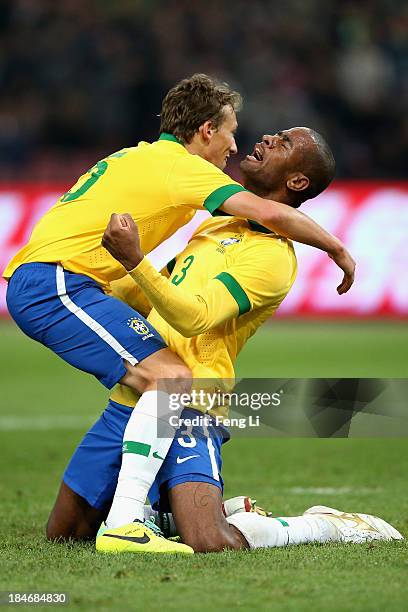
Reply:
x=345, y=261
x=121, y=239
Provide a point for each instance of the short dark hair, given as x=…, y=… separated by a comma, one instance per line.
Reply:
x=320, y=168
x=192, y=102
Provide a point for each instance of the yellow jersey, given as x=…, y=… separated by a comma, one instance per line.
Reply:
x=239, y=275
x=160, y=184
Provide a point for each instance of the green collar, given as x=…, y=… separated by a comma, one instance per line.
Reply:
x=165, y=136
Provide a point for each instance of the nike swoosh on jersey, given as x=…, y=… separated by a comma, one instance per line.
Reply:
x=183, y=459
x=144, y=539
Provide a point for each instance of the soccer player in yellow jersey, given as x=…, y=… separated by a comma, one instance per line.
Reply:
x=59, y=283
x=228, y=280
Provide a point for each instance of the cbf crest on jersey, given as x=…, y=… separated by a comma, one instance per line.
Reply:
x=140, y=327
x=228, y=242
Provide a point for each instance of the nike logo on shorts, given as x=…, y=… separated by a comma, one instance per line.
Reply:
x=183, y=459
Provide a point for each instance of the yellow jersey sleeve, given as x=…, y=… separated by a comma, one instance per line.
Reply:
x=189, y=314
x=262, y=275
x=126, y=290
x=196, y=183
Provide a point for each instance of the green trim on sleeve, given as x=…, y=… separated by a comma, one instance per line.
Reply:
x=218, y=197
x=236, y=291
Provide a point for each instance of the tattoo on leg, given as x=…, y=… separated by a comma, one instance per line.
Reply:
x=202, y=496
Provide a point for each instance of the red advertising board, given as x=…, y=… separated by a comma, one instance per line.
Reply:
x=370, y=217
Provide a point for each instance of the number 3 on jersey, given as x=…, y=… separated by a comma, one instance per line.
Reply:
x=176, y=280
x=96, y=172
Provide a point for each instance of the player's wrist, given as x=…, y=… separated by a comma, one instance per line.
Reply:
x=132, y=262
x=136, y=265
x=336, y=248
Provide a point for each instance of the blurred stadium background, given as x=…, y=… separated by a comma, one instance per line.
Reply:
x=82, y=78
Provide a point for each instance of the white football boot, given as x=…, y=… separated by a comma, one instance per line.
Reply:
x=356, y=528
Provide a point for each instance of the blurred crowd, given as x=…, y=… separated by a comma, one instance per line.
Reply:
x=80, y=78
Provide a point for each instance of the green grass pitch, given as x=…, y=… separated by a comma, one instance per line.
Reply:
x=46, y=406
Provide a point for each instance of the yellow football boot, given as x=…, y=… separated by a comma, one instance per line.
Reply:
x=138, y=537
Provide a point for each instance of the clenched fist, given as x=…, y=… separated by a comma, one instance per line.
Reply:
x=121, y=239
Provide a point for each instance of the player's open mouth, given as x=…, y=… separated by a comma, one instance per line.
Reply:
x=257, y=154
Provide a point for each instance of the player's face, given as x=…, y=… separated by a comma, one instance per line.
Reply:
x=277, y=156
x=222, y=143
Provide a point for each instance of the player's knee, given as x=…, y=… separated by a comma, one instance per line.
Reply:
x=55, y=533
x=58, y=530
x=175, y=378
x=172, y=377
x=55, y=530
x=217, y=541
x=163, y=370
x=179, y=378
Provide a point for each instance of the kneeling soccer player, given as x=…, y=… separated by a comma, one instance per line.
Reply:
x=207, y=525
x=230, y=278
x=186, y=501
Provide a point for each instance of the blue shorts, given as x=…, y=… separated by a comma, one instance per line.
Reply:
x=71, y=315
x=194, y=456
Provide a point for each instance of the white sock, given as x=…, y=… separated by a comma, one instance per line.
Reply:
x=267, y=532
x=142, y=457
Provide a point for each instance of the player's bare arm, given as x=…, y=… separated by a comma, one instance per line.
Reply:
x=295, y=225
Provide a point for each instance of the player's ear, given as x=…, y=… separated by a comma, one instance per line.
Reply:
x=298, y=182
x=206, y=130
